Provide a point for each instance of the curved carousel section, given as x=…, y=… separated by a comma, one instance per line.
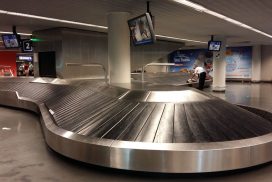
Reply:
x=177, y=131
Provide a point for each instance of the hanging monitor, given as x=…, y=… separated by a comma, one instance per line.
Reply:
x=141, y=30
x=214, y=45
x=10, y=41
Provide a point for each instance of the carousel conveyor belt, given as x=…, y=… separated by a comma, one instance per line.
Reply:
x=177, y=131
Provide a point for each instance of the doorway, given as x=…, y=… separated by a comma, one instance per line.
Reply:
x=47, y=64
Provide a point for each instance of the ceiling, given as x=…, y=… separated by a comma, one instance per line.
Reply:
x=171, y=19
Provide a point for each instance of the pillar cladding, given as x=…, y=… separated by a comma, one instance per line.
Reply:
x=256, y=64
x=119, y=48
x=219, y=66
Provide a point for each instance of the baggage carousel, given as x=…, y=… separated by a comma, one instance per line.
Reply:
x=179, y=130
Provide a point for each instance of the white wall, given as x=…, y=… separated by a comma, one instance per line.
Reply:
x=142, y=55
x=78, y=46
x=83, y=47
x=51, y=40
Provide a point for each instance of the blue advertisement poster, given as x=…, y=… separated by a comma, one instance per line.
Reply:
x=185, y=60
x=239, y=62
x=188, y=58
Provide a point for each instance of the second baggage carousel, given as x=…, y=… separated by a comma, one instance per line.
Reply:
x=181, y=130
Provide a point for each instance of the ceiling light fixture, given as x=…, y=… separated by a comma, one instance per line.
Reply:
x=50, y=19
x=200, y=8
x=180, y=39
x=27, y=34
x=81, y=24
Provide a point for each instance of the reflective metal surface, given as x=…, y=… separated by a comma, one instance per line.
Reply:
x=250, y=94
x=163, y=78
x=170, y=79
x=156, y=64
x=133, y=130
x=91, y=65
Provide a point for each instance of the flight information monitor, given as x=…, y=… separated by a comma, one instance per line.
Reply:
x=214, y=45
x=141, y=30
x=10, y=41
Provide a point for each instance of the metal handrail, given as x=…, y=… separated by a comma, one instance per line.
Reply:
x=90, y=65
x=155, y=64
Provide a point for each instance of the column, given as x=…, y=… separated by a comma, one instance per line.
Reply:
x=219, y=66
x=256, y=74
x=256, y=64
x=118, y=47
x=36, y=64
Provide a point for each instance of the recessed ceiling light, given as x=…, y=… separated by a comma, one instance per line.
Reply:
x=81, y=24
x=50, y=19
x=200, y=8
x=180, y=39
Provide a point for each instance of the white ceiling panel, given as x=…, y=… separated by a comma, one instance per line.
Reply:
x=172, y=19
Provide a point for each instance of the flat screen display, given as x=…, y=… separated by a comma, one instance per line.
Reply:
x=214, y=45
x=141, y=30
x=10, y=41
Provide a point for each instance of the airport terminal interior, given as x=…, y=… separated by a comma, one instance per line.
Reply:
x=135, y=90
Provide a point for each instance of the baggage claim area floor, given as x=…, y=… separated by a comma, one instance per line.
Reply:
x=26, y=157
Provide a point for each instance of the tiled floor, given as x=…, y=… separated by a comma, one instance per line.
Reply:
x=25, y=157
x=252, y=94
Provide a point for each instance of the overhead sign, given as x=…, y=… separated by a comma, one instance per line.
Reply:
x=25, y=58
x=27, y=45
